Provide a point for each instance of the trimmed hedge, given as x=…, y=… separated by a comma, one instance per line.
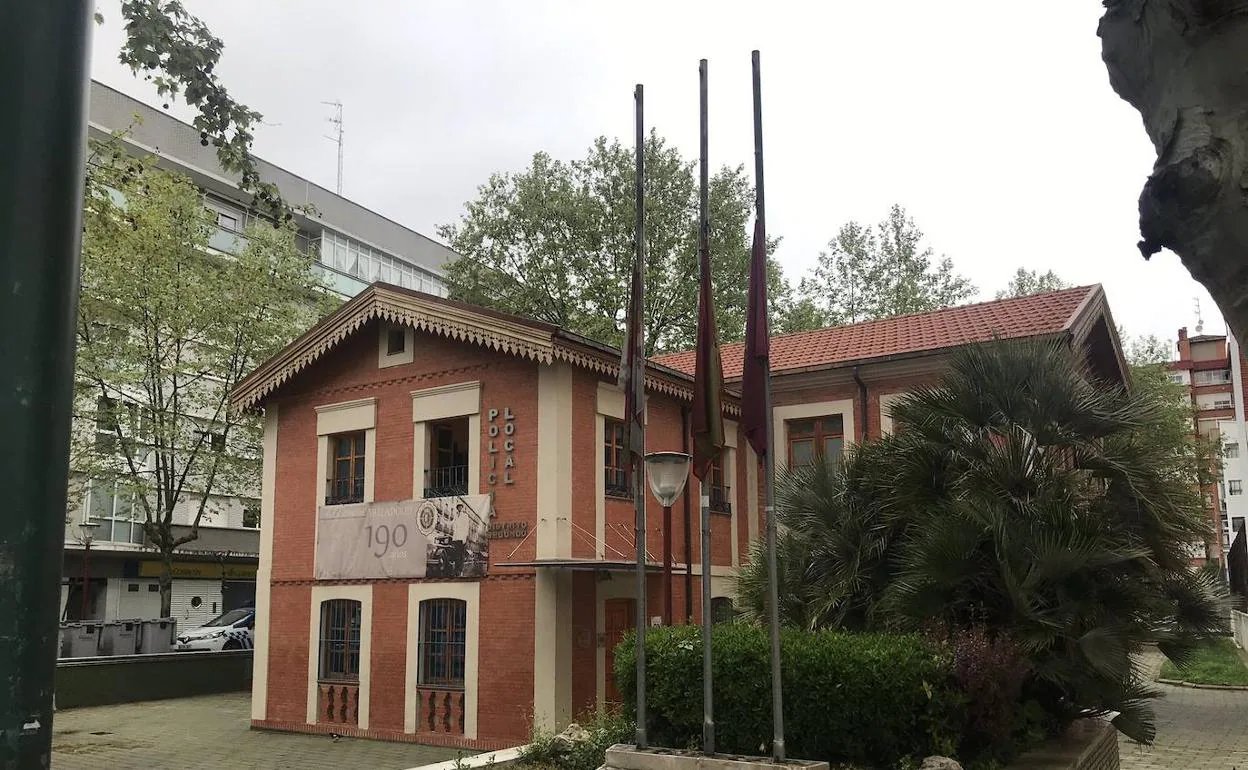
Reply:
x=869, y=699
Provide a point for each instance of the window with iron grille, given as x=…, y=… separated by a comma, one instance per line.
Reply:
x=816, y=438
x=721, y=610
x=442, y=641
x=340, y=640
x=720, y=492
x=346, y=482
x=615, y=459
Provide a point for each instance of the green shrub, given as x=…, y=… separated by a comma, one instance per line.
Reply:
x=870, y=699
x=605, y=729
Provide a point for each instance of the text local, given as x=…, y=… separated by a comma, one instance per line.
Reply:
x=502, y=437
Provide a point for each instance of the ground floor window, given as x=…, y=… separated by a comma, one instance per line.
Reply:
x=442, y=642
x=340, y=640
x=721, y=610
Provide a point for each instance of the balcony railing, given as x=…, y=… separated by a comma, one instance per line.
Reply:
x=344, y=491
x=446, y=481
x=617, y=483
x=721, y=499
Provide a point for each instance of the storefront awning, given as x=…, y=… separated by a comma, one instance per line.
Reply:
x=583, y=565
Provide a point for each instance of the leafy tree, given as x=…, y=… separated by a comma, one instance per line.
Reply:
x=177, y=53
x=886, y=271
x=166, y=328
x=555, y=242
x=1027, y=282
x=1022, y=497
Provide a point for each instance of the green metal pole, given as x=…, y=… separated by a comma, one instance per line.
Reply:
x=43, y=92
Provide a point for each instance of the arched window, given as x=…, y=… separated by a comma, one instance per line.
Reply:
x=721, y=610
x=442, y=642
x=340, y=641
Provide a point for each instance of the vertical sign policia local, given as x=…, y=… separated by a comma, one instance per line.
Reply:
x=501, y=441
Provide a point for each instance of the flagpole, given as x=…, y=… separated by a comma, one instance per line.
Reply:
x=769, y=507
x=708, y=708
x=638, y=464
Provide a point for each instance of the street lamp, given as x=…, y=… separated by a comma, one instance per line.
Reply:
x=667, y=473
x=87, y=534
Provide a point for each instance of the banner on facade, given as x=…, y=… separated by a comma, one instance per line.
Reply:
x=439, y=537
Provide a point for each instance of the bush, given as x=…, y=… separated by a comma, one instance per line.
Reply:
x=869, y=699
x=604, y=730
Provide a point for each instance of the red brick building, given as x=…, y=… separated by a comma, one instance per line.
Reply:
x=403, y=412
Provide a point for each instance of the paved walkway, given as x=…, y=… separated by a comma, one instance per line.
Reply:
x=211, y=732
x=1196, y=730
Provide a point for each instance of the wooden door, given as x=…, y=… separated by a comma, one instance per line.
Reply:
x=619, y=616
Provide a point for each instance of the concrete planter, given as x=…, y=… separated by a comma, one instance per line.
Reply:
x=1090, y=744
x=626, y=757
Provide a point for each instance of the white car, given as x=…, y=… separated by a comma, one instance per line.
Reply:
x=228, y=631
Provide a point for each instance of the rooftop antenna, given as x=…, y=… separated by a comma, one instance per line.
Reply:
x=337, y=121
x=1200, y=322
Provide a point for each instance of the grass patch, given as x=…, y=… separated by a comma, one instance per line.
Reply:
x=1217, y=663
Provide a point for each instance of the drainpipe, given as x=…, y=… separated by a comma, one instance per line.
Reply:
x=862, y=401
x=685, y=429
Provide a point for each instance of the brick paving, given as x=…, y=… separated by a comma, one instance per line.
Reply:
x=211, y=732
x=1196, y=730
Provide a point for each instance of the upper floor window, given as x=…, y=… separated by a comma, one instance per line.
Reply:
x=396, y=340
x=340, y=640
x=443, y=642
x=1235, y=487
x=346, y=481
x=447, y=474
x=615, y=459
x=721, y=493
x=1209, y=377
x=1231, y=451
x=815, y=438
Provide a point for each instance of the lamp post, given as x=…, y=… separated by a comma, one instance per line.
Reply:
x=86, y=534
x=667, y=472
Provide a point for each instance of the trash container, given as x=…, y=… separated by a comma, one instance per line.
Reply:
x=119, y=637
x=84, y=640
x=157, y=635
x=62, y=639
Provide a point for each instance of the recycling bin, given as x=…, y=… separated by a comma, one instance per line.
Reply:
x=119, y=637
x=157, y=635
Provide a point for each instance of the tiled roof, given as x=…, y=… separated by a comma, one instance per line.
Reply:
x=1038, y=314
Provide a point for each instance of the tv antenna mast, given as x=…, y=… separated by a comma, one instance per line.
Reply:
x=337, y=121
x=1200, y=322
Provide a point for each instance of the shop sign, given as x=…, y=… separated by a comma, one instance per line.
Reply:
x=203, y=570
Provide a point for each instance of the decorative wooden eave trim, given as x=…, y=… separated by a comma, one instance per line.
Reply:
x=425, y=313
x=659, y=379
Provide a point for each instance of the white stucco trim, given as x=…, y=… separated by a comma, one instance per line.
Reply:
x=364, y=595
x=405, y=356
x=751, y=491
x=470, y=594
x=459, y=399
x=554, y=461
x=445, y=402
x=886, y=421
x=264, y=572
x=782, y=414
x=552, y=650
x=346, y=416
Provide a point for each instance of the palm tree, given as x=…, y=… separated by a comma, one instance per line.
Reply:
x=1021, y=496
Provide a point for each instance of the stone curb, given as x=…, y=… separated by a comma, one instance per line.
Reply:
x=1194, y=686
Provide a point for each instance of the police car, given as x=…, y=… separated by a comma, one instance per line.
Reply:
x=228, y=631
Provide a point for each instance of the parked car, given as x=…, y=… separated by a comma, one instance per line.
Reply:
x=228, y=631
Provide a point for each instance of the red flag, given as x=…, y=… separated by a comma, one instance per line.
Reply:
x=633, y=365
x=708, y=377
x=756, y=375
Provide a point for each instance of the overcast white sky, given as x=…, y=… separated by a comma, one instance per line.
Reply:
x=992, y=123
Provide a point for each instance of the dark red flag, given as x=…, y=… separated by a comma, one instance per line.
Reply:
x=633, y=366
x=708, y=376
x=756, y=375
